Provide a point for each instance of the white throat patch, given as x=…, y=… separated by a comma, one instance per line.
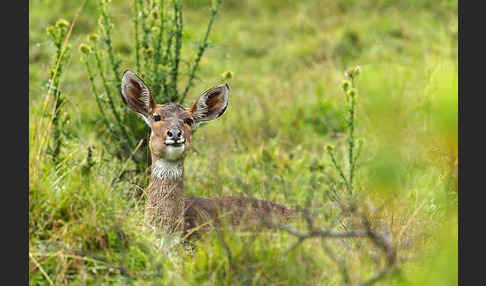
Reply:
x=174, y=153
x=167, y=170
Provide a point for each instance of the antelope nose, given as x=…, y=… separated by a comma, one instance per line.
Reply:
x=174, y=134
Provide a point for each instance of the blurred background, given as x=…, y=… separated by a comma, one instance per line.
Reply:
x=285, y=63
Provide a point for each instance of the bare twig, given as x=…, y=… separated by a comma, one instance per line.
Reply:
x=202, y=47
x=325, y=233
x=339, y=262
x=379, y=239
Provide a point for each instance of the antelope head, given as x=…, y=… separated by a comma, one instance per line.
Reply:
x=171, y=124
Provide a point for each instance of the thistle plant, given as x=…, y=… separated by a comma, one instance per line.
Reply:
x=158, y=30
x=353, y=146
x=56, y=34
x=358, y=224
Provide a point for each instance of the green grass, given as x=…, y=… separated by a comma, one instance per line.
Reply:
x=286, y=104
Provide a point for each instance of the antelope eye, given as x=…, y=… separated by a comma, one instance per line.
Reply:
x=156, y=117
x=189, y=121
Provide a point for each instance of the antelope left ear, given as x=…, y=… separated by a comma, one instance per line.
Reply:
x=137, y=95
x=211, y=104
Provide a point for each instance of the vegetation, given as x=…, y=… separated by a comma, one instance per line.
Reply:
x=289, y=135
x=158, y=31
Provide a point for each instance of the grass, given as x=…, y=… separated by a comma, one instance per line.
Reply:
x=288, y=59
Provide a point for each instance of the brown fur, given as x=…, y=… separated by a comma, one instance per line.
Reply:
x=238, y=211
x=165, y=203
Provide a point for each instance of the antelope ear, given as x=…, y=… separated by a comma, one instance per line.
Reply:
x=137, y=95
x=211, y=104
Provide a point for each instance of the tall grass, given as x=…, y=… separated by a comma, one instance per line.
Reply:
x=50, y=121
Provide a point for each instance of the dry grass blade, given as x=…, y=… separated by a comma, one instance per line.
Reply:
x=128, y=159
x=41, y=269
x=410, y=220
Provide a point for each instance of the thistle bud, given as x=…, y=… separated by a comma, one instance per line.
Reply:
x=329, y=147
x=352, y=92
x=227, y=75
x=345, y=85
x=93, y=37
x=349, y=73
x=353, y=72
x=149, y=51
x=61, y=23
x=155, y=14
x=51, y=31
x=85, y=49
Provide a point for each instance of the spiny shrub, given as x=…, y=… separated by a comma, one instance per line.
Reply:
x=158, y=38
x=353, y=146
x=57, y=34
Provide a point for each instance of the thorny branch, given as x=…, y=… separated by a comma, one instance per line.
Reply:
x=379, y=239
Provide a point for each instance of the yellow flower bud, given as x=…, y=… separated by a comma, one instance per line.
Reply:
x=352, y=92
x=155, y=14
x=227, y=75
x=329, y=147
x=346, y=85
x=61, y=23
x=93, y=37
x=51, y=31
x=149, y=51
x=85, y=49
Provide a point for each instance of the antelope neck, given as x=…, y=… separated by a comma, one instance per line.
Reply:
x=168, y=170
x=165, y=195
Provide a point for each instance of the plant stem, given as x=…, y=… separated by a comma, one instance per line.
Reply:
x=135, y=27
x=104, y=118
x=202, y=48
x=158, y=53
x=110, y=100
x=106, y=22
x=340, y=170
x=177, y=47
x=146, y=31
x=351, y=140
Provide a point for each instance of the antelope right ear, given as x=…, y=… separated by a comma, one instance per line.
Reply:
x=137, y=95
x=211, y=104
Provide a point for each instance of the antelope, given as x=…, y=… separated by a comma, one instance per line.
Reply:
x=167, y=208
